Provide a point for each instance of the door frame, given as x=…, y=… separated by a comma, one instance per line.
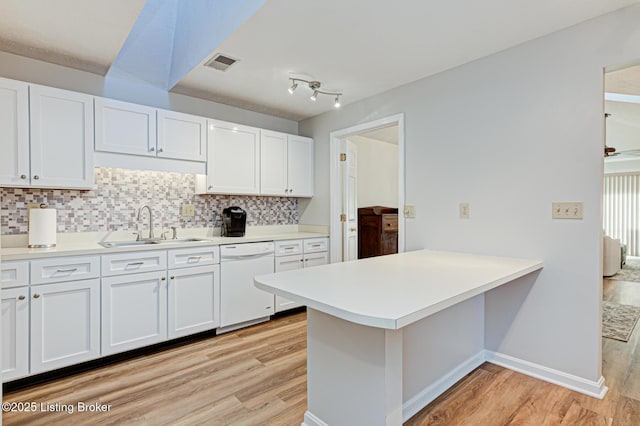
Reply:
x=335, y=205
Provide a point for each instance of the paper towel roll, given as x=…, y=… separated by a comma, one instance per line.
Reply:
x=42, y=227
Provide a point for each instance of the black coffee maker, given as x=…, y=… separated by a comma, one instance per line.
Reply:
x=234, y=222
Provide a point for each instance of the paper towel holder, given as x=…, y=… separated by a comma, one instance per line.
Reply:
x=48, y=242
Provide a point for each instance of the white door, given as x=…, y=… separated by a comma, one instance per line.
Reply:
x=65, y=324
x=350, y=202
x=14, y=133
x=287, y=263
x=194, y=300
x=300, y=166
x=61, y=138
x=125, y=128
x=182, y=136
x=273, y=163
x=15, y=333
x=134, y=311
x=233, y=159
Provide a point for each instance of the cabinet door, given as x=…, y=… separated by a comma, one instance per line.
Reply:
x=182, y=136
x=14, y=133
x=194, y=300
x=61, y=138
x=273, y=163
x=300, y=166
x=125, y=128
x=15, y=333
x=65, y=324
x=233, y=159
x=316, y=259
x=287, y=263
x=134, y=311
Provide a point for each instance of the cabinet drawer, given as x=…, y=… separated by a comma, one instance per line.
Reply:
x=389, y=222
x=201, y=256
x=14, y=274
x=314, y=245
x=131, y=263
x=316, y=259
x=289, y=247
x=45, y=271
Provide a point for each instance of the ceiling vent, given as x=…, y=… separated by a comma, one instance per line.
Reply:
x=220, y=62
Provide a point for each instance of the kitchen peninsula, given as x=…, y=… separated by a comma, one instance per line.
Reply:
x=382, y=331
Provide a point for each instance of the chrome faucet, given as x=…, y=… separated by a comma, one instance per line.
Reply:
x=151, y=236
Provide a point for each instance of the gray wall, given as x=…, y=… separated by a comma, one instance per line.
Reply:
x=33, y=71
x=510, y=133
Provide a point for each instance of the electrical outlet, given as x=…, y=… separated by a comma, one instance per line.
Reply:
x=188, y=210
x=409, y=211
x=567, y=210
x=465, y=211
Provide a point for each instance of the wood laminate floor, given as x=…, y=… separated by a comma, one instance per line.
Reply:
x=257, y=376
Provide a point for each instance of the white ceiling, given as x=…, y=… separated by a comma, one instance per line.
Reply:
x=386, y=134
x=359, y=47
x=625, y=81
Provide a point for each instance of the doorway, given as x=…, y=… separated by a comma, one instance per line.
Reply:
x=365, y=147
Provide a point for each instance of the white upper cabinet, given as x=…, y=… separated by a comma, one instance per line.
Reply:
x=182, y=136
x=233, y=159
x=273, y=163
x=125, y=128
x=300, y=166
x=14, y=133
x=286, y=165
x=46, y=137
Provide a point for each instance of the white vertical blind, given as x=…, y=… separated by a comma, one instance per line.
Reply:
x=621, y=210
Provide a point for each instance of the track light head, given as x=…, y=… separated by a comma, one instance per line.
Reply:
x=293, y=87
x=336, y=104
x=314, y=96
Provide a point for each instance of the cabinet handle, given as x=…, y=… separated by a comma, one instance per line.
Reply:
x=173, y=278
x=135, y=263
x=318, y=245
x=354, y=229
x=160, y=150
x=21, y=297
x=301, y=260
x=35, y=296
x=23, y=176
x=36, y=177
x=268, y=307
x=210, y=188
x=67, y=270
x=163, y=278
x=195, y=257
x=152, y=149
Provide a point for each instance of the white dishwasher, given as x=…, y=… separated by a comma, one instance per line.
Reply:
x=240, y=300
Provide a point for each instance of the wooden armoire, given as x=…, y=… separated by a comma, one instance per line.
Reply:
x=377, y=231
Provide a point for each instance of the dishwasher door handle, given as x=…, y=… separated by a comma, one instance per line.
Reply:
x=246, y=256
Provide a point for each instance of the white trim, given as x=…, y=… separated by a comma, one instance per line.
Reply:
x=431, y=392
x=596, y=389
x=334, y=181
x=311, y=419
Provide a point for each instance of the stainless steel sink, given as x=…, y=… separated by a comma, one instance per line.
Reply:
x=113, y=244
x=116, y=244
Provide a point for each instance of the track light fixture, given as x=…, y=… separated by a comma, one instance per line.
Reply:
x=315, y=86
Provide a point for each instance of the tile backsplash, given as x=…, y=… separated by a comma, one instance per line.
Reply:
x=119, y=193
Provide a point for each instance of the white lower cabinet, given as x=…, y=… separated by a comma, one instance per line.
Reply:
x=15, y=333
x=134, y=311
x=310, y=252
x=65, y=324
x=194, y=300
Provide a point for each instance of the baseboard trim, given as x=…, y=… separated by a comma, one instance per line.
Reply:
x=312, y=420
x=238, y=326
x=596, y=389
x=431, y=392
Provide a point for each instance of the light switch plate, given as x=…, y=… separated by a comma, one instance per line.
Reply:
x=188, y=210
x=409, y=211
x=465, y=211
x=567, y=210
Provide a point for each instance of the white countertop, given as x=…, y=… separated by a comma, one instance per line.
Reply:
x=88, y=244
x=396, y=290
